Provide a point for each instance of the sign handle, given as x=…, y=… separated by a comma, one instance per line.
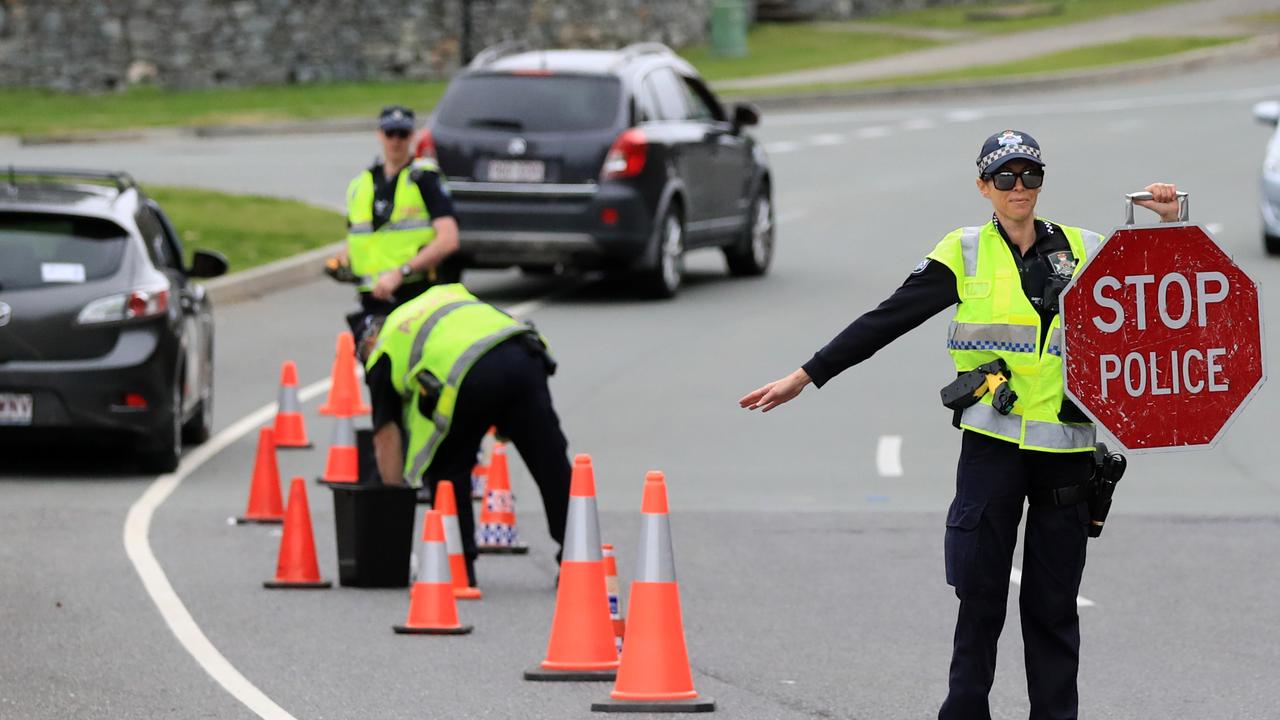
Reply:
x=1184, y=202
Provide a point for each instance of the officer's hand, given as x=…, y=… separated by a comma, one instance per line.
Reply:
x=1164, y=201
x=388, y=283
x=775, y=393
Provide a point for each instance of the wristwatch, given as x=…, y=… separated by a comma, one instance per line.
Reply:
x=406, y=270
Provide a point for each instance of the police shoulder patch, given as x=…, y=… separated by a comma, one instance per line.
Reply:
x=920, y=268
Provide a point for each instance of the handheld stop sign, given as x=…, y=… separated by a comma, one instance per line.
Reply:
x=1162, y=335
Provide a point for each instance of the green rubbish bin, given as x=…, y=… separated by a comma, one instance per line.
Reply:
x=373, y=526
x=729, y=28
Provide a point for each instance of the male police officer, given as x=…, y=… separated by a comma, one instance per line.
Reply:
x=446, y=368
x=1005, y=277
x=400, y=224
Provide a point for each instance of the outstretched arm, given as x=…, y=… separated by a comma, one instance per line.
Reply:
x=775, y=393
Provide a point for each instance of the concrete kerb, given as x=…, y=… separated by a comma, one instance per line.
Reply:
x=272, y=277
x=1256, y=48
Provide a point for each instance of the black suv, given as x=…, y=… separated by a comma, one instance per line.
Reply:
x=100, y=327
x=592, y=159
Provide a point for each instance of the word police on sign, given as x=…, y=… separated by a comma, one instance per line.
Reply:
x=1162, y=337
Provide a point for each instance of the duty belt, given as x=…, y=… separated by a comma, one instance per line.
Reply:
x=1059, y=497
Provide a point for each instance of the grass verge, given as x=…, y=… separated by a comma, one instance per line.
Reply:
x=1137, y=49
x=778, y=48
x=249, y=229
x=47, y=112
x=1072, y=11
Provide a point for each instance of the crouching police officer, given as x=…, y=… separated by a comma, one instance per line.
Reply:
x=401, y=232
x=446, y=367
x=1032, y=444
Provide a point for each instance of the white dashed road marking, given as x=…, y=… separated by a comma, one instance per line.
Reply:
x=889, y=456
x=828, y=139
x=782, y=146
x=873, y=131
x=1015, y=577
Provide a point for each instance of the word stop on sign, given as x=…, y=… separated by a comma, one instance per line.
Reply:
x=1174, y=301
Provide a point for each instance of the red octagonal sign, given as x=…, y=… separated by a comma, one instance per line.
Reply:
x=1163, y=337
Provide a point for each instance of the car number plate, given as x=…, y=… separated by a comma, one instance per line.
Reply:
x=517, y=171
x=15, y=408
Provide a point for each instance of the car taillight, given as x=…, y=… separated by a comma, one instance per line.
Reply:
x=425, y=147
x=626, y=156
x=140, y=303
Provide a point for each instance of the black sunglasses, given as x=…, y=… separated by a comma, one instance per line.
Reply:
x=398, y=134
x=1006, y=179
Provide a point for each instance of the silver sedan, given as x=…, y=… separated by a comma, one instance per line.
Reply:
x=1269, y=198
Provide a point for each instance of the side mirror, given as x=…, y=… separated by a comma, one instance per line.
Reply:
x=744, y=115
x=1267, y=111
x=207, y=264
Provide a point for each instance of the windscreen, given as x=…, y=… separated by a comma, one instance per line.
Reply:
x=42, y=249
x=531, y=103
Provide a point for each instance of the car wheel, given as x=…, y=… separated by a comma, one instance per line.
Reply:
x=165, y=451
x=1271, y=243
x=663, y=280
x=751, y=256
x=200, y=426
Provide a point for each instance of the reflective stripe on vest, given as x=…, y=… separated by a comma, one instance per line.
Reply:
x=991, y=336
x=1054, y=346
x=442, y=421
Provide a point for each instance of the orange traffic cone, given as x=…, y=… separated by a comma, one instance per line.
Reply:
x=582, y=644
x=432, y=610
x=447, y=505
x=296, y=566
x=497, y=530
x=265, y=505
x=342, y=466
x=654, y=675
x=291, y=431
x=344, y=390
x=611, y=588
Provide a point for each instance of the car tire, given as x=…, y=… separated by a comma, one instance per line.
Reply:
x=1271, y=243
x=163, y=454
x=751, y=256
x=198, y=429
x=664, y=279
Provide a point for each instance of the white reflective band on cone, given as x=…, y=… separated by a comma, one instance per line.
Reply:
x=344, y=433
x=657, y=563
x=433, y=566
x=452, y=535
x=288, y=399
x=582, y=532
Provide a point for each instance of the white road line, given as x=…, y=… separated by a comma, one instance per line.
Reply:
x=1015, y=577
x=889, y=456
x=137, y=545
x=828, y=139
x=871, y=132
x=919, y=124
x=781, y=146
x=963, y=115
x=789, y=215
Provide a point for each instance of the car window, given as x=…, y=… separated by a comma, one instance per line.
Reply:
x=170, y=237
x=153, y=236
x=44, y=249
x=532, y=103
x=702, y=105
x=668, y=93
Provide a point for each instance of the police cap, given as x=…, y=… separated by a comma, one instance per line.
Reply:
x=1005, y=146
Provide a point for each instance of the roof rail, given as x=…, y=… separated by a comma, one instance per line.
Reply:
x=493, y=52
x=646, y=48
x=122, y=180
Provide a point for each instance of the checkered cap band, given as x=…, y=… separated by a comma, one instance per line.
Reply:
x=1004, y=151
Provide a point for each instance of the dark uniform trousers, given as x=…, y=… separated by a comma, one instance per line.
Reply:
x=506, y=388
x=992, y=484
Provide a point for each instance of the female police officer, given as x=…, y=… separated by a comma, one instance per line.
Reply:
x=1003, y=278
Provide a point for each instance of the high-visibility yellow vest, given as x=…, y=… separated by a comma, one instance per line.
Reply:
x=396, y=241
x=433, y=340
x=996, y=320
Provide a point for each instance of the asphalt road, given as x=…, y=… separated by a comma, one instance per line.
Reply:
x=810, y=568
